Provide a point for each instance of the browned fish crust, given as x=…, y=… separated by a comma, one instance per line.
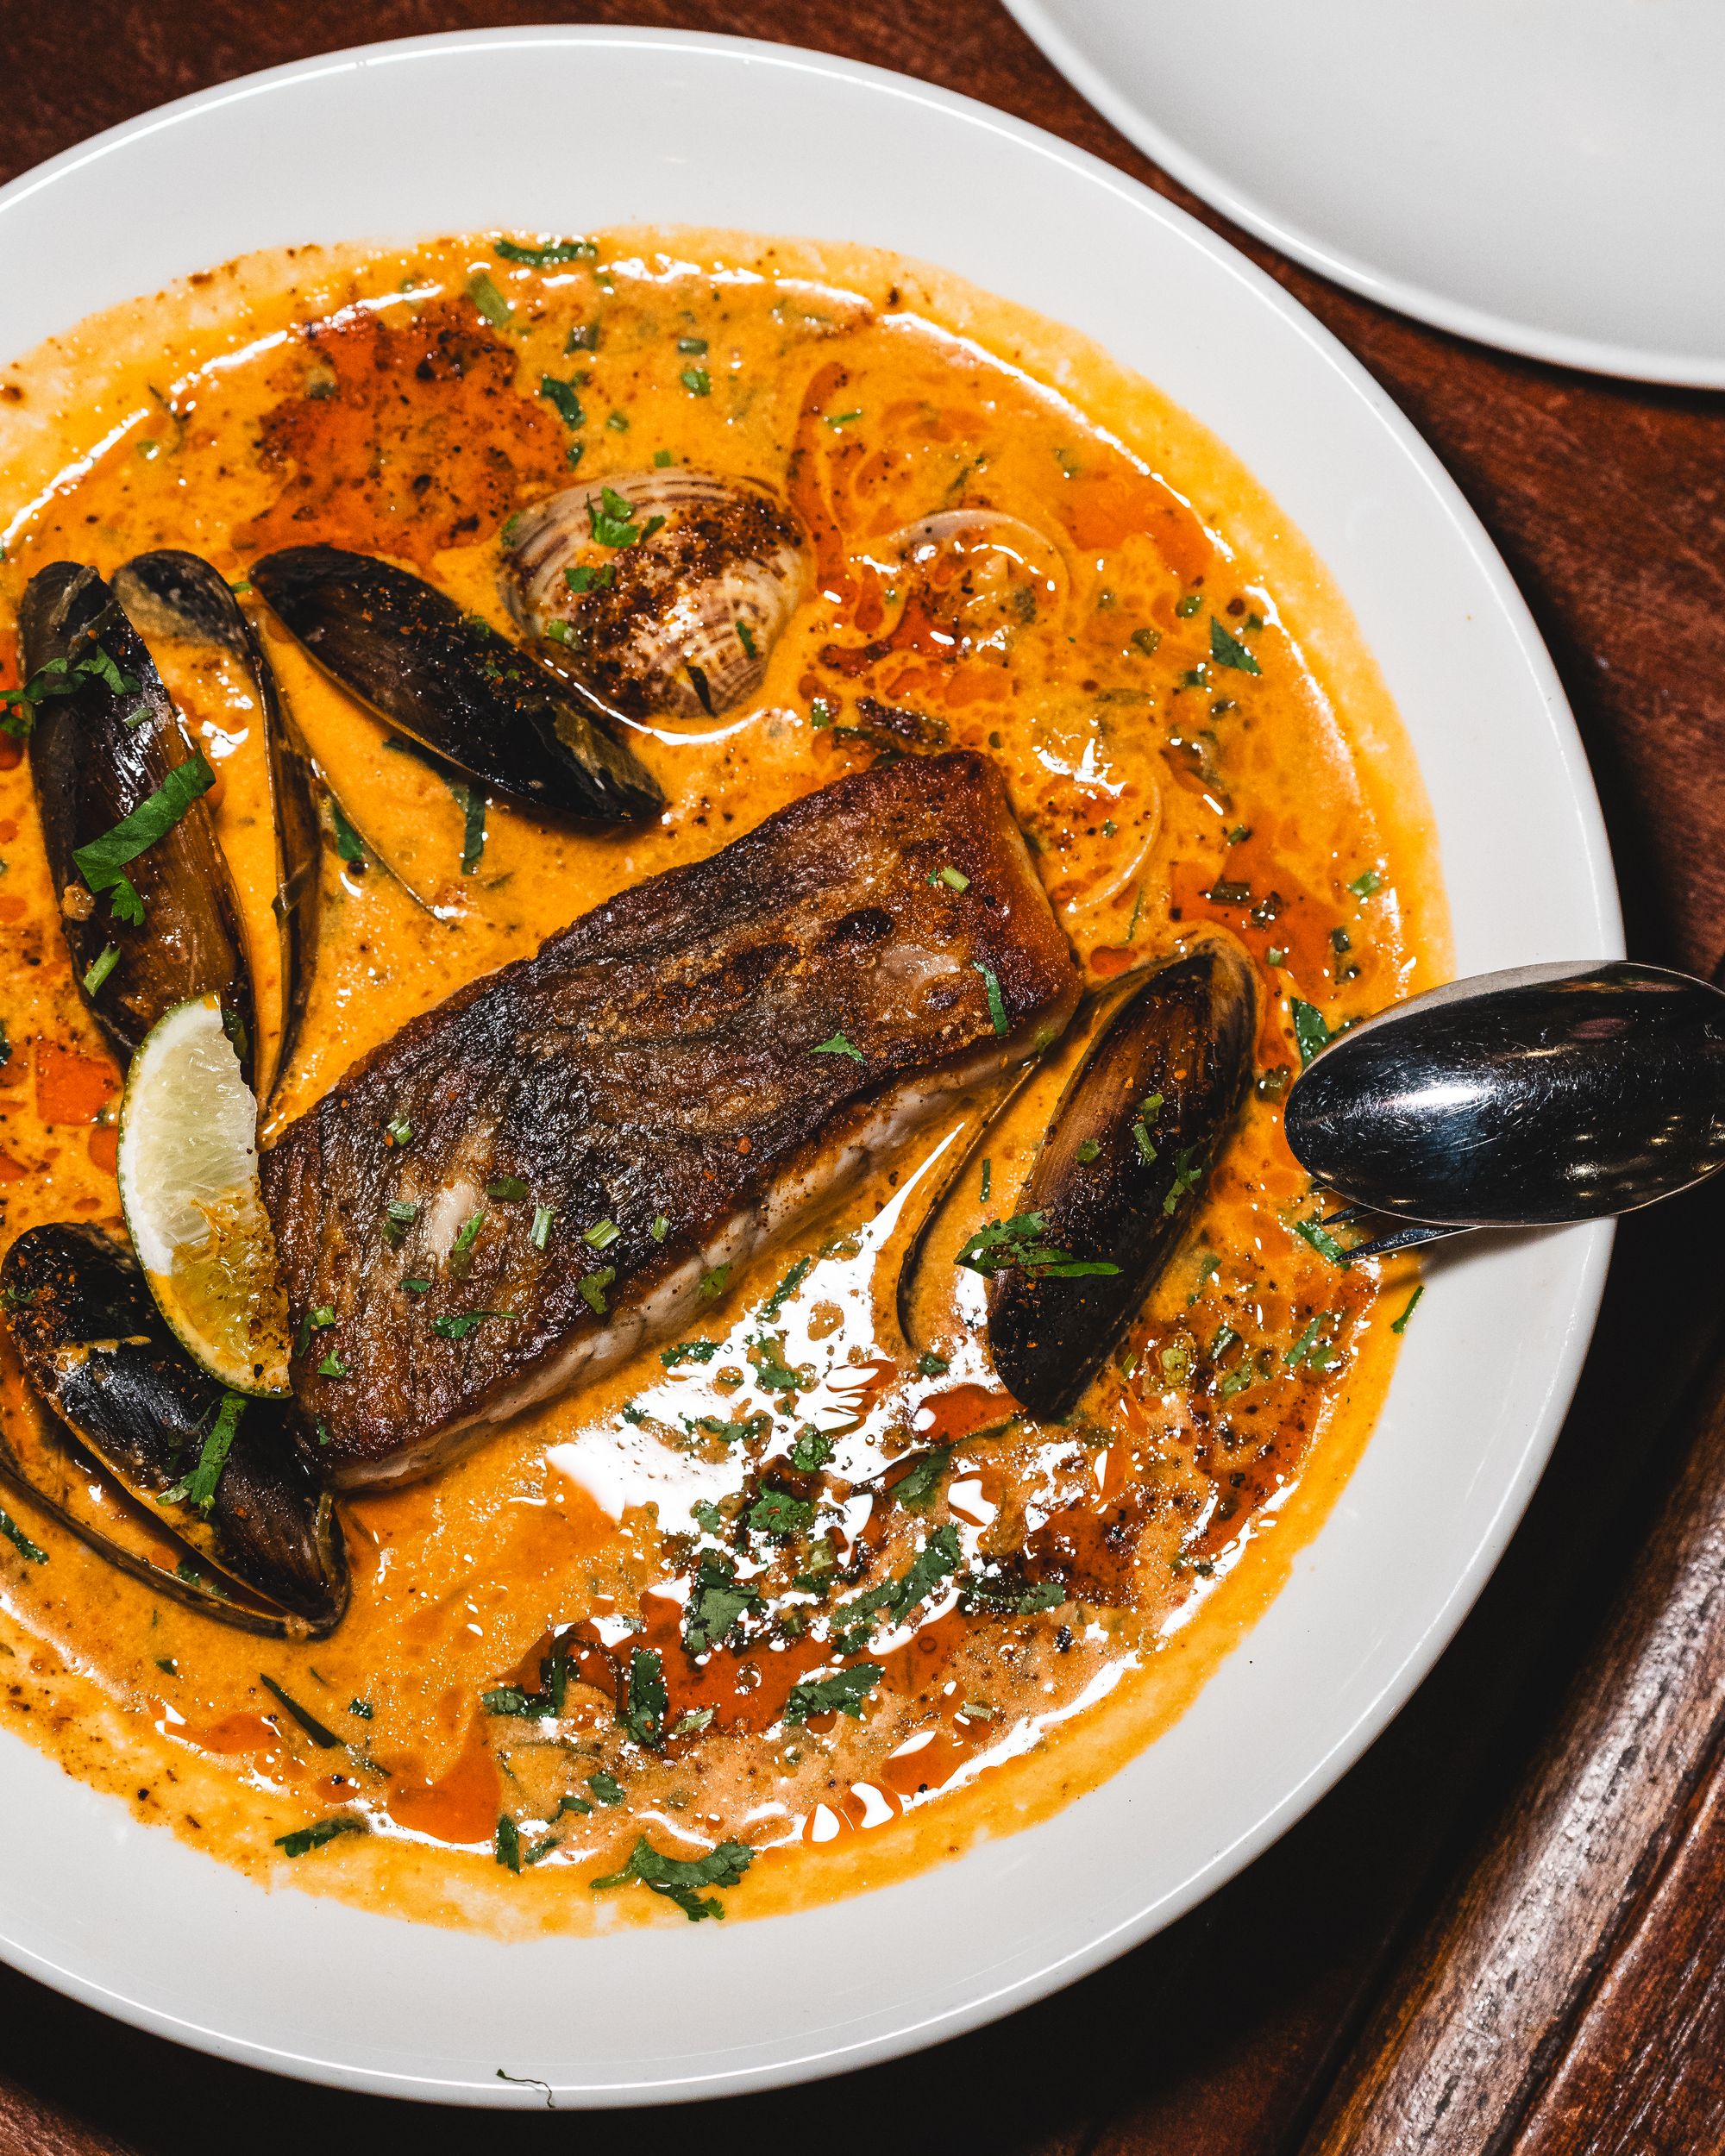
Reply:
x=671, y=1077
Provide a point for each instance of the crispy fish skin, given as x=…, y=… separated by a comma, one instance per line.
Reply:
x=656, y=1075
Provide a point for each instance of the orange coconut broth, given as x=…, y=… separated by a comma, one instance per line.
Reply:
x=1137, y=652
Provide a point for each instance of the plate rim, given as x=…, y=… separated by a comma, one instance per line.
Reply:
x=993, y=2001
x=1400, y=295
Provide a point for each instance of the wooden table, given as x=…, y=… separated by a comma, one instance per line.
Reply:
x=1503, y=1931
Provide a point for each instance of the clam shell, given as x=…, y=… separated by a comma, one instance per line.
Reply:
x=678, y=622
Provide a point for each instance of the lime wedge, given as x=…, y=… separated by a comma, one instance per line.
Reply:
x=188, y=1172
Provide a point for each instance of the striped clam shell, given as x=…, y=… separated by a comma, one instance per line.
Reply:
x=680, y=618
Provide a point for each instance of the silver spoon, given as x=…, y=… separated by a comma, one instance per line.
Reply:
x=1547, y=1093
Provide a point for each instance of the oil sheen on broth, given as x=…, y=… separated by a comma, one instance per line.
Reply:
x=1016, y=548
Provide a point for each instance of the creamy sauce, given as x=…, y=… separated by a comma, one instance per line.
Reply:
x=1017, y=548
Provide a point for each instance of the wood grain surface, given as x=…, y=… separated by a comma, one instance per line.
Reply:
x=1550, y=1809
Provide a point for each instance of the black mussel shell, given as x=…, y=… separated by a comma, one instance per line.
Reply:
x=450, y=682
x=94, y=1348
x=1186, y=1036
x=171, y=595
x=96, y=754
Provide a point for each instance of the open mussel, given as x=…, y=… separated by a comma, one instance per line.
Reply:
x=178, y=597
x=146, y=900
x=1120, y=1172
x=221, y=1474
x=664, y=591
x=450, y=682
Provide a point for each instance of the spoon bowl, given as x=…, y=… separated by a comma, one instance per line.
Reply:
x=1546, y=1094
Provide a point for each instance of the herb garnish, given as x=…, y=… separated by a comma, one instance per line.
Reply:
x=678, y=1878
x=1400, y=1324
x=540, y=1233
x=1310, y=1030
x=715, y=1601
x=489, y=300
x=917, y=1490
x=506, y=1187
x=102, y=862
x=688, y=1351
x=461, y=1250
x=199, y=1488
x=697, y=381
x=938, y=1559
x=399, y=1132
x=601, y=1235
x=59, y=677
x=1315, y=1233
x=562, y=396
x=304, y=1840
x=399, y=1216
x=997, y=1008
x=325, y=1740
x=606, y=1788
x=836, y=1044
x=811, y=1451
x=100, y=967
x=20, y=1541
x=473, y=801
x=332, y=1366
x=777, y=1512
x=611, y=519
x=1365, y=884
x=593, y=1287
x=843, y=1693
x=1229, y=651
x=1022, y=1241
x=349, y=846
x=643, y=1716
x=543, y=257
x=459, y=1328
x=713, y=1284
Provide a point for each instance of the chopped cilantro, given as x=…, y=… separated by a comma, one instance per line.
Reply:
x=198, y=1488
x=1022, y=1241
x=787, y=1287
x=506, y=1187
x=688, y=1351
x=332, y=1366
x=459, y=1328
x=562, y=396
x=680, y=1879
x=541, y=257
x=349, y=846
x=715, y=1601
x=474, y=800
x=643, y=1715
x=102, y=862
x=938, y=1559
x=917, y=1490
x=508, y=1842
x=836, y=1044
x=776, y=1512
x=997, y=1008
x=20, y=1541
x=304, y=1840
x=1310, y=1030
x=489, y=300
x=606, y=1788
x=1315, y=1233
x=811, y=1451
x=697, y=381
x=1228, y=651
x=612, y=519
x=843, y=1693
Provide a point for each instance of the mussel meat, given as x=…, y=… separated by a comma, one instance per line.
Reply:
x=1118, y=1174
x=450, y=682
x=95, y=1349
x=664, y=591
x=178, y=597
x=151, y=917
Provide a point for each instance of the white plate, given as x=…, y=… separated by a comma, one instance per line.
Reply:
x=1544, y=175
x=496, y=129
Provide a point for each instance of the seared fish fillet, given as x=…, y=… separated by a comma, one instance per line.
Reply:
x=673, y=1078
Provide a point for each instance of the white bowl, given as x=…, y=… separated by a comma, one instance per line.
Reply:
x=497, y=129
x=1546, y=176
